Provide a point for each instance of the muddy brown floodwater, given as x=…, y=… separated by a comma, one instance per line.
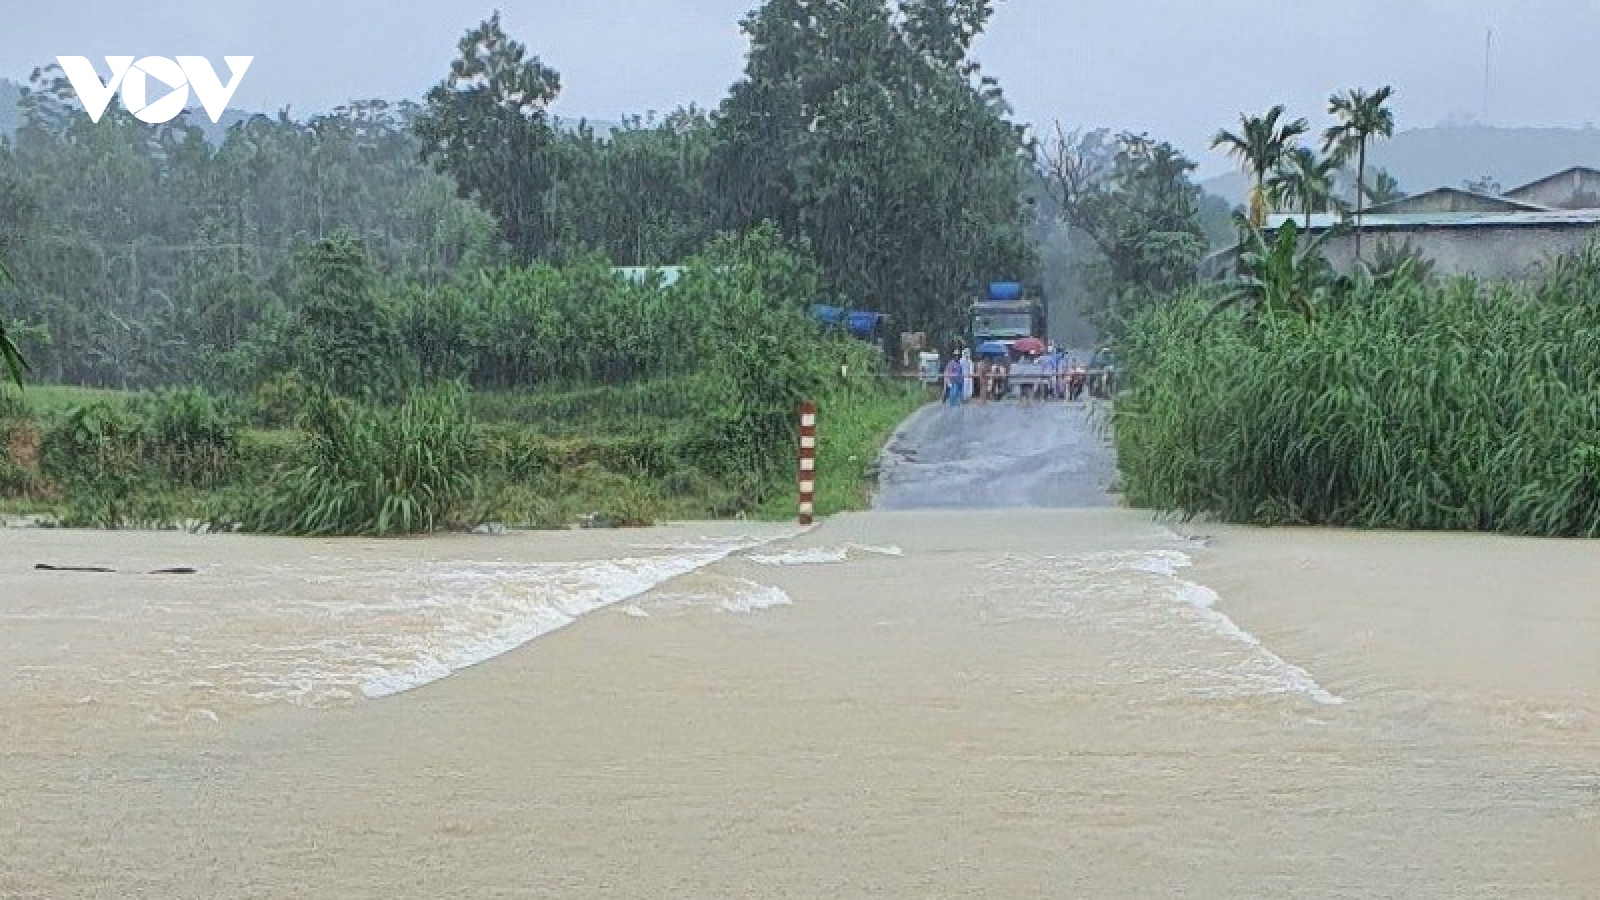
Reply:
x=1033, y=703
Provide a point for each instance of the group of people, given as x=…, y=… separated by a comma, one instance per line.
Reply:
x=1053, y=375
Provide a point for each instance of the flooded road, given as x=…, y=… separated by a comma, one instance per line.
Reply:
x=1021, y=703
x=994, y=455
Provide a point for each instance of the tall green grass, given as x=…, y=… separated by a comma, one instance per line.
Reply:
x=377, y=470
x=109, y=459
x=588, y=407
x=1407, y=404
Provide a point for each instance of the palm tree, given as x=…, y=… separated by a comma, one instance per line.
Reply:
x=1362, y=116
x=15, y=364
x=1304, y=179
x=1260, y=146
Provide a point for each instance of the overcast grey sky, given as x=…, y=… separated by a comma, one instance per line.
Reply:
x=1177, y=68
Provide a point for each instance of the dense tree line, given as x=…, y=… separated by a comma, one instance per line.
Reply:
x=872, y=133
x=861, y=129
x=1129, y=203
x=142, y=251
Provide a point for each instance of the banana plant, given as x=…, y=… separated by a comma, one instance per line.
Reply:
x=1279, y=272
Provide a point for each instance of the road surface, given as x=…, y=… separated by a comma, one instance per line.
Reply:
x=996, y=455
x=1009, y=705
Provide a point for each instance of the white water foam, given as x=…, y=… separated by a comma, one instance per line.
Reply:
x=878, y=551
x=757, y=597
x=326, y=631
x=1177, y=537
x=1295, y=678
x=822, y=555
x=810, y=557
x=1139, y=597
x=720, y=593
x=1203, y=601
x=514, y=604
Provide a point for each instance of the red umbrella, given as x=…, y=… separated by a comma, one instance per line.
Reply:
x=1029, y=345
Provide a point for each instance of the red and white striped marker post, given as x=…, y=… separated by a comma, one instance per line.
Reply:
x=808, y=460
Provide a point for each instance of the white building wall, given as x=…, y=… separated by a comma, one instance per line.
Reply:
x=1486, y=251
x=1574, y=190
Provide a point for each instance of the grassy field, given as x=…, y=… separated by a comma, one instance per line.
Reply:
x=53, y=399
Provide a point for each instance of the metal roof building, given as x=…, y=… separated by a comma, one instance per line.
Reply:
x=1574, y=188
x=1462, y=232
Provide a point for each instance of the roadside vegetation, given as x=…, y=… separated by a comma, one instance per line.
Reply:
x=397, y=318
x=394, y=318
x=1390, y=398
x=1400, y=402
x=351, y=417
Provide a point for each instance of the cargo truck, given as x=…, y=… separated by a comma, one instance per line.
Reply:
x=1006, y=314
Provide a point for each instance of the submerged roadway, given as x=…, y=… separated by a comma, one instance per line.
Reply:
x=1000, y=455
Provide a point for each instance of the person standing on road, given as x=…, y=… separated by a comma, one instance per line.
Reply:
x=952, y=381
x=1051, y=369
x=969, y=379
x=1022, y=372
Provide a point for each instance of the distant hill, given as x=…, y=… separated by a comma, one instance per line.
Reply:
x=1426, y=158
x=1233, y=187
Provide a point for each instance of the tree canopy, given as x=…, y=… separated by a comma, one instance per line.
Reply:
x=487, y=126
x=1132, y=198
x=868, y=132
x=861, y=129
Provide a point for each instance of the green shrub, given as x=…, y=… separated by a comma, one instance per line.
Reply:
x=377, y=470
x=278, y=401
x=588, y=407
x=19, y=445
x=95, y=454
x=184, y=437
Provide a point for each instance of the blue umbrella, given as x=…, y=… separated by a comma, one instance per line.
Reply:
x=993, y=348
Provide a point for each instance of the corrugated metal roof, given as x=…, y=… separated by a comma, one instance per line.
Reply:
x=1499, y=204
x=1318, y=220
x=1542, y=218
x=1585, y=170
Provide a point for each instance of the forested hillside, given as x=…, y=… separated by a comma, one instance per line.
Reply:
x=141, y=251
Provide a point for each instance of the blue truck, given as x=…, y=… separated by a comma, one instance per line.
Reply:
x=1005, y=314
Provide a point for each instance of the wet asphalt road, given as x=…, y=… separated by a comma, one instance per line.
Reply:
x=1053, y=455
